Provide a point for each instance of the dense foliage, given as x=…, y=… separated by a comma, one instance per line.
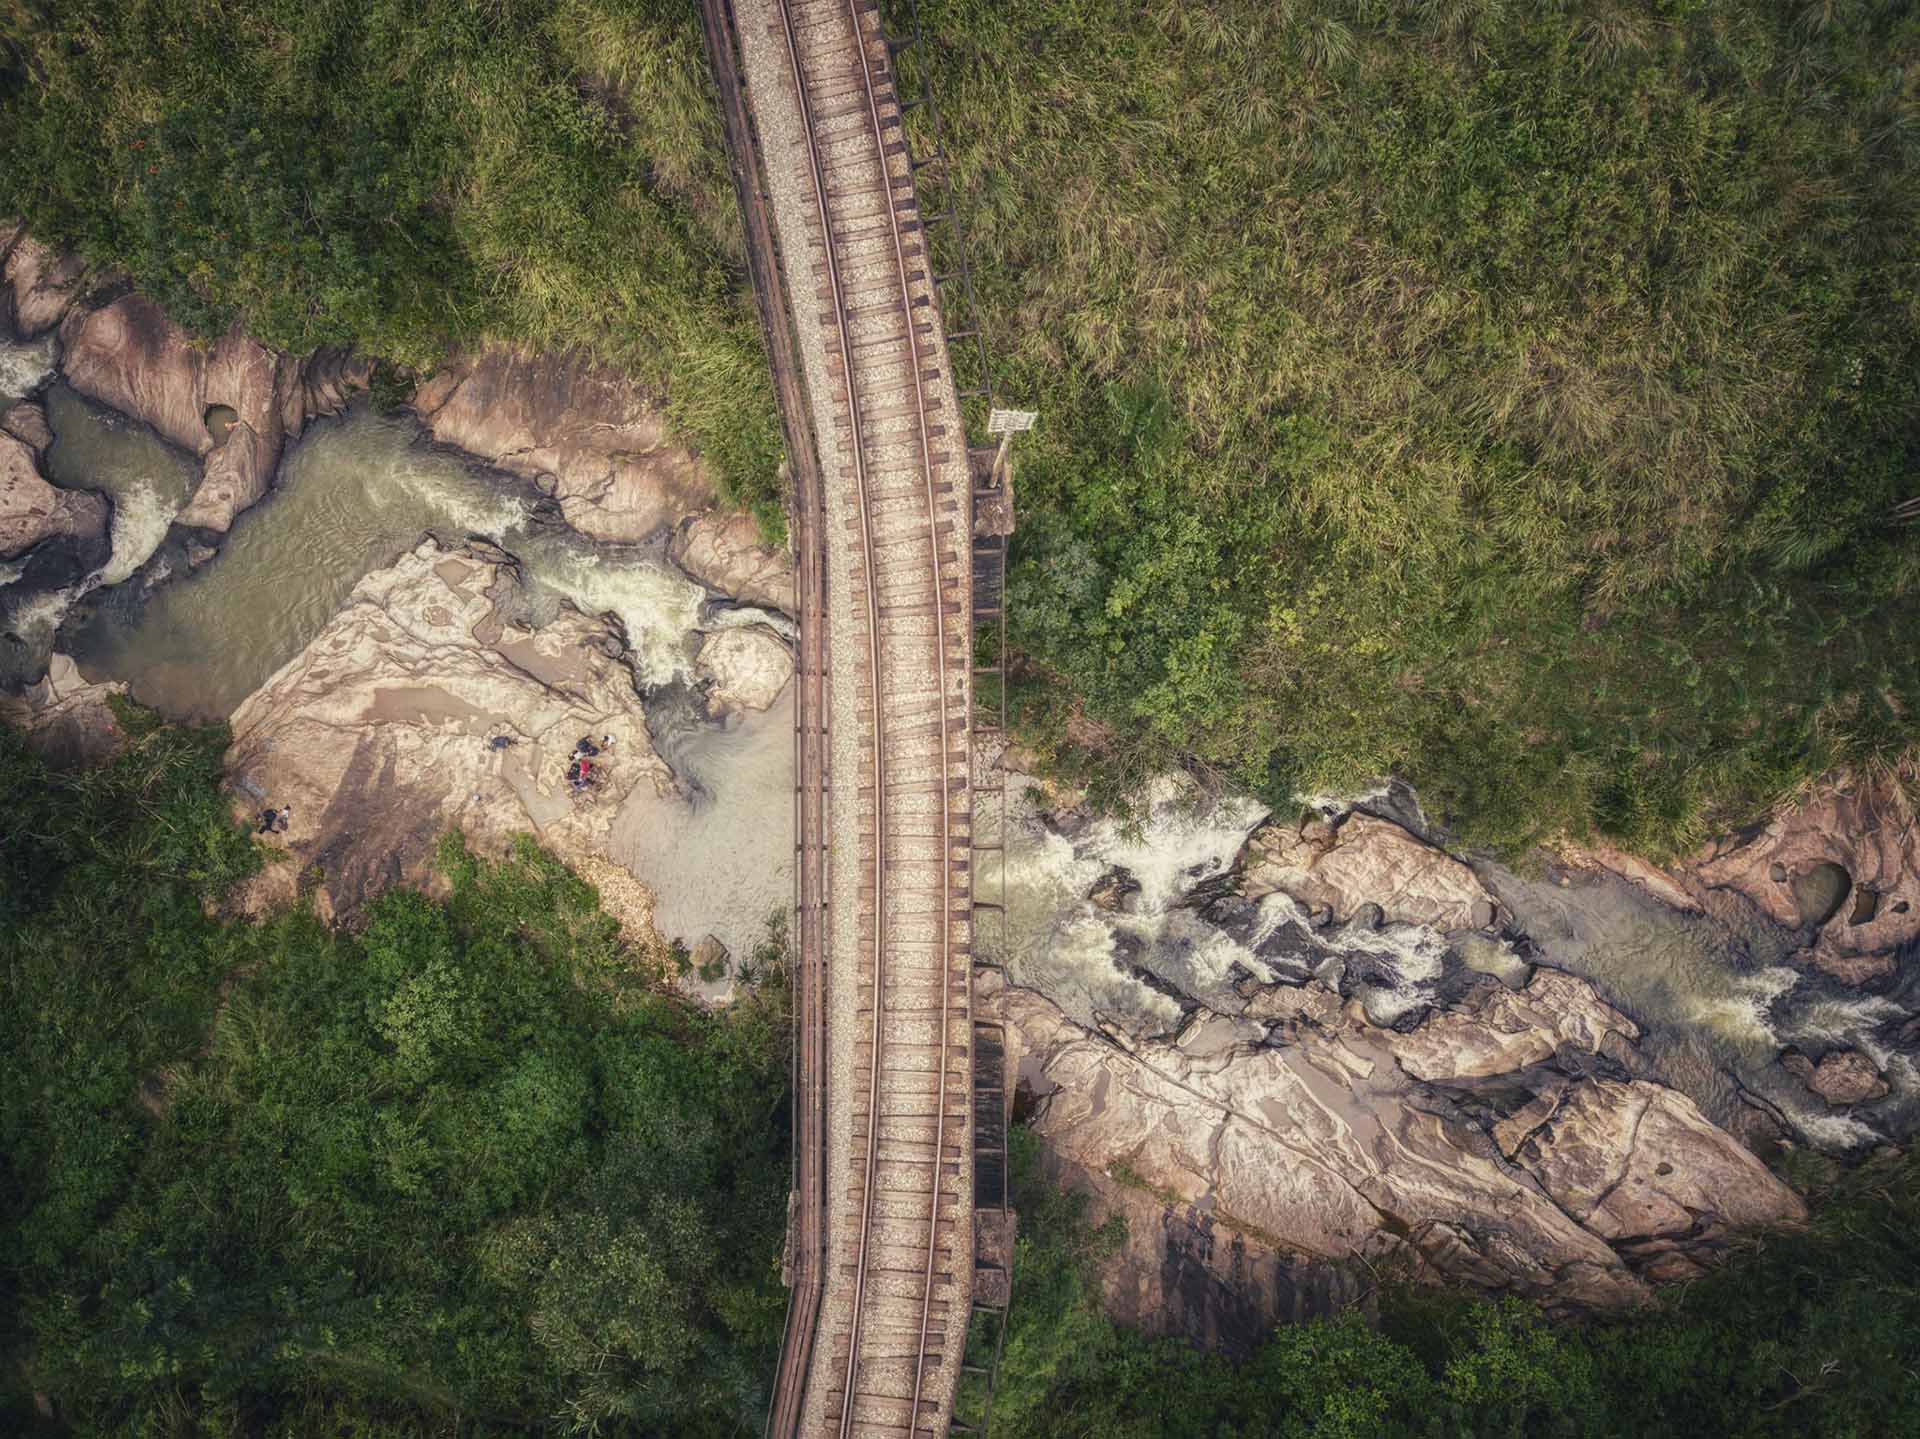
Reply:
x=1805, y=1336
x=1515, y=397
x=404, y=177
x=459, y=1170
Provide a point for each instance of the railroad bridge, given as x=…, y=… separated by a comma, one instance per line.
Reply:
x=899, y=1236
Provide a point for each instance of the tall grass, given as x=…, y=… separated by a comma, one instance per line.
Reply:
x=408, y=178
x=1512, y=397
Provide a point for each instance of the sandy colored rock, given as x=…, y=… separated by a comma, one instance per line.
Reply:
x=1843, y=1077
x=1326, y=1147
x=377, y=733
x=1497, y=1030
x=128, y=355
x=1867, y=828
x=26, y=421
x=1649, y=877
x=66, y=719
x=33, y=510
x=724, y=551
x=40, y=286
x=1359, y=860
x=747, y=669
x=1638, y=1164
x=579, y=430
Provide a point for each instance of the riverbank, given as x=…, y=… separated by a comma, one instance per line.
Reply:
x=595, y=537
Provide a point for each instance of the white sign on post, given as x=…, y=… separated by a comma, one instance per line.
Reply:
x=1007, y=422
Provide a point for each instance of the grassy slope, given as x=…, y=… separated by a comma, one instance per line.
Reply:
x=406, y=177
x=1511, y=397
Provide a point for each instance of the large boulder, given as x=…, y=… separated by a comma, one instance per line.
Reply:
x=1497, y=1030
x=582, y=432
x=40, y=285
x=1359, y=859
x=1316, y=1140
x=66, y=719
x=128, y=355
x=377, y=734
x=724, y=551
x=1843, y=1077
x=745, y=669
x=1846, y=866
x=1641, y=1167
x=31, y=509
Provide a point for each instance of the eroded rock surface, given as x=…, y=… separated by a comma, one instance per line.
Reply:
x=33, y=510
x=377, y=734
x=1510, y=1169
x=40, y=284
x=582, y=432
x=1360, y=859
x=130, y=356
x=1854, y=853
x=746, y=669
x=724, y=551
x=66, y=719
x=1843, y=1077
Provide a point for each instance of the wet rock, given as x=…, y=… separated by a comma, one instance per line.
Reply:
x=32, y=510
x=128, y=355
x=725, y=552
x=1323, y=1145
x=1360, y=860
x=746, y=669
x=1846, y=1076
x=377, y=734
x=1497, y=1030
x=40, y=287
x=614, y=472
x=1606, y=859
x=1115, y=889
x=27, y=423
x=1859, y=840
x=65, y=719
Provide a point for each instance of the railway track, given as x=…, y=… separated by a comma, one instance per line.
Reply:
x=881, y=1238
x=900, y=1252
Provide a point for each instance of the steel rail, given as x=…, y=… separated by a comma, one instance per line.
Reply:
x=946, y=800
x=817, y=174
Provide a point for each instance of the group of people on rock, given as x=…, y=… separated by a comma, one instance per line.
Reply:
x=580, y=765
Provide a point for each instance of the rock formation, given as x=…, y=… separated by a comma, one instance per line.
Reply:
x=1510, y=1162
x=724, y=552
x=130, y=356
x=1360, y=859
x=1842, y=1077
x=581, y=432
x=744, y=669
x=1847, y=865
x=51, y=539
x=66, y=719
x=34, y=511
x=40, y=285
x=377, y=735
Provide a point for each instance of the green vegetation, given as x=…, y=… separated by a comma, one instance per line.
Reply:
x=405, y=177
x=1804, y=1336
x=1513, y=397
x=1519, y=399
x=461, y=1171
